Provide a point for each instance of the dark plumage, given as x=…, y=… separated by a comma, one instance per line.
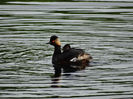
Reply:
x=71, y=59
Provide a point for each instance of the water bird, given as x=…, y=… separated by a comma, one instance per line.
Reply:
x=69, y=59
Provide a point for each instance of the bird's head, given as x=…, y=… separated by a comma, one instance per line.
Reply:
x=54, y=40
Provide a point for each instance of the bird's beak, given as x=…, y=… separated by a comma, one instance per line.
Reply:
x=48, y=43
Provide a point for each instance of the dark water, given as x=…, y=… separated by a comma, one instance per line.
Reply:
x=103, y=29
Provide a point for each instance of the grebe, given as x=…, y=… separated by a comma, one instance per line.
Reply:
x=70, y=60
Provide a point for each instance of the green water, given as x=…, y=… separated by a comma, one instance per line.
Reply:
x=103, y=28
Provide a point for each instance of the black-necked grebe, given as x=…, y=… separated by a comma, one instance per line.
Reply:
x=71, y=59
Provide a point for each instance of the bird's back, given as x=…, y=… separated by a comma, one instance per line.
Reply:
x=74, y=59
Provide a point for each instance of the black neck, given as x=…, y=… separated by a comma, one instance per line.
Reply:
x=57, y=67
x=57, y=50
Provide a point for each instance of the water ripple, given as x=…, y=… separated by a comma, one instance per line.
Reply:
x=103, y=29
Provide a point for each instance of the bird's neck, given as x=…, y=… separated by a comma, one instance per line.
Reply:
x=57, y=50
x=55, y=61
x=57, y=53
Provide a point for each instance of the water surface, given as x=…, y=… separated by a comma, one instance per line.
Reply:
x=103, y=29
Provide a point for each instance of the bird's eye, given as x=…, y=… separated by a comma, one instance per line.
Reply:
x=53, y=41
